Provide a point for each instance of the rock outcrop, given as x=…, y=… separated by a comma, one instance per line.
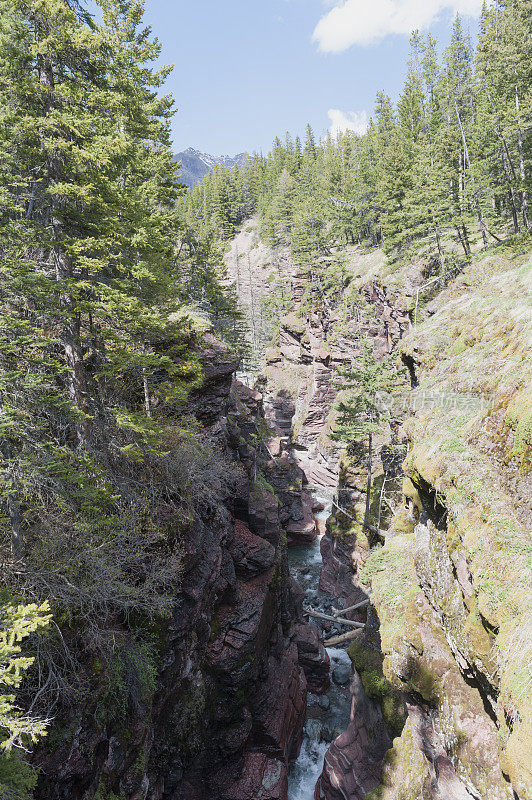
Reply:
x=445, y=642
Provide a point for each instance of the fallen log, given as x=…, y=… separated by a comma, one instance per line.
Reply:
x=343, y=637
x=337, y=611
x=329, y=618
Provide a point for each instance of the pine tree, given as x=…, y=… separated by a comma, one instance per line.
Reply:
x=278, y=219
x=298, y=154
x=221, y=211
x=504, y=75
x=460, y=110
x=310, y=151
x=391, y=177
x=427, y=203
x=449, y=163
x=361, y=408
x=17, y=730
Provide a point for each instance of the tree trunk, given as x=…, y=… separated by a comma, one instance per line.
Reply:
x=368, y=485
x=464, y=239
x=13, y=508
x=481, y=222
x=467, y=246
x=475, y=192
x=380, y=502
x=438, y=242
x=147, y=404
x=511, y=195
x=460, y=239
x=337, y=611
x=310, y=612
x=524, y=197
x=71, y=333
x=507, y=164
x=71, y=341
x=17, y=536
x=334, y=641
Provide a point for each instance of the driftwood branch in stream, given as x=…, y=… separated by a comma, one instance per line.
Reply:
x=337, y=611
x=329, y=618
x=343, y=637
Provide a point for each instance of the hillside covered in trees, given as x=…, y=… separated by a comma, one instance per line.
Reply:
x=153, y=642
x=444, y=168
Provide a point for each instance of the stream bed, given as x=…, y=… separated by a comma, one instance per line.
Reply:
x=327, y=714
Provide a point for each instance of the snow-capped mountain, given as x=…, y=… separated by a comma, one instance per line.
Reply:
x=195, y=165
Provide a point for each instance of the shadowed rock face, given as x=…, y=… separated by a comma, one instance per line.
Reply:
x=251, y=554
x=298, y=386
x=313, y=657
x=337, y=572
x=261, y=777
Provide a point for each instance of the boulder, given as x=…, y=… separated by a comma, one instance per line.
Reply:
x=243, y=632
x=302, y=528
x=209, y=400
x=281, y=707
x=250, y=398
x=263, y=514
x=341, y=674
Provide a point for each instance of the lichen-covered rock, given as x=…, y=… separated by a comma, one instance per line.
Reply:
x=451, y=720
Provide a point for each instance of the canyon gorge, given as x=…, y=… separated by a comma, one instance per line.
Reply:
x=265, y=420
x=256, y=698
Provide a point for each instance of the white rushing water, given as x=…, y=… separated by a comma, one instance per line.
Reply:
x=327, y=716
x=306, y=770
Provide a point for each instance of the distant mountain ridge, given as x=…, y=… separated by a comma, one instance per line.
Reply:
x=195, y=165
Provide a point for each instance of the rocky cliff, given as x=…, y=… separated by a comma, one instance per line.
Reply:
x=452, y=582
x=450, y=578
x=219, y=712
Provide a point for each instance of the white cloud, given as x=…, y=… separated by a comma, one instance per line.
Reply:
x=350, y=121
x=364, y=22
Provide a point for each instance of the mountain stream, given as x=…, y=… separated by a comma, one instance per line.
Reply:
x=327, y=714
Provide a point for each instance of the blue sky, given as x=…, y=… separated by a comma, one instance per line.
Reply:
x=247, y=70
